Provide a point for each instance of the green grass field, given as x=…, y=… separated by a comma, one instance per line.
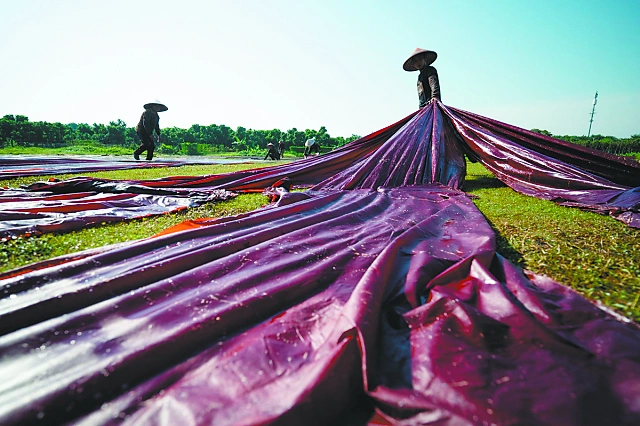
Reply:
x=596, y=255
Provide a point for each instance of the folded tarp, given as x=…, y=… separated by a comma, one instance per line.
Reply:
x=347, y=307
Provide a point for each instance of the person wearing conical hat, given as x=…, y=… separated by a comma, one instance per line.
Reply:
x=149, y=121
x=428, y=83
x=272, y=152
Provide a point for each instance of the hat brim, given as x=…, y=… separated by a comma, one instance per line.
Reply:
x=158, y=107
x=429, y=56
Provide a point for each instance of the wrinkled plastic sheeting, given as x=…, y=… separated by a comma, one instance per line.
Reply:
x=427, y=146
x=425, y=150
x=74, y=203
x=41, y=211
x=345, y=307
x=552, y=169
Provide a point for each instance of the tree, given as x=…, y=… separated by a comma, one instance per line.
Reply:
x=7, y=128
x=542, y=132
x=84, y=131
x=115, y=132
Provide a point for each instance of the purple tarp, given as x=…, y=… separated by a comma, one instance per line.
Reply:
x=427, y=146
x=375, y=298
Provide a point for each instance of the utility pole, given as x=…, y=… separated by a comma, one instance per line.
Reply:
x=593, y=111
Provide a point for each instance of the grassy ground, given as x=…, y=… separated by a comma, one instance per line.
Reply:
x=596, y=255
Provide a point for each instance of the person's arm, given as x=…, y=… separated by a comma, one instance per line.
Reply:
x=158, y=125
x=434, y=84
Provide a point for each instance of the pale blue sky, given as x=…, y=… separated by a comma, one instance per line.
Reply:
x=333, y=63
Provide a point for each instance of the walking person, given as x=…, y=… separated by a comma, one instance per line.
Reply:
x=149, y=122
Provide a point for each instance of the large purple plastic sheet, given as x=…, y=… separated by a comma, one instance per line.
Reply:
x=350, y=305
x=427, y=146
x=385, y=306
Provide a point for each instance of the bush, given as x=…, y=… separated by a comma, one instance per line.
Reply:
x=168, y=149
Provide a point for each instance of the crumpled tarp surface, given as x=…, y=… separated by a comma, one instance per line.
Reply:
x=87, y=202
x=427, y=146
x=346, y=307
x=377, y=297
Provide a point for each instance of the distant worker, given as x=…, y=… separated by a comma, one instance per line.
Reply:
x=281, y=148
x=149, y=121
x=272, y=152
x=428, y=83
x=311, y=147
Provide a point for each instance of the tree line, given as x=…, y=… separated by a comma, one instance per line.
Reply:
x=609, y=144
x=17, y=130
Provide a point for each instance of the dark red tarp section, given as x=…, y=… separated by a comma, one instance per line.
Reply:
x=375, y=298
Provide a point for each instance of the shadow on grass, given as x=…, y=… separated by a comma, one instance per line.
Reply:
x=506, y=250
x=482, y=182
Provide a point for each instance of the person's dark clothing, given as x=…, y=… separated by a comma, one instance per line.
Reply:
x=308, y=150
x=428, y=85
x=149, y=121
x=273, y=153
x=281, y=148
x=147, y=145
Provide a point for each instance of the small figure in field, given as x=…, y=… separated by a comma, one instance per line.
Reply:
x=311, y=147
x=428, y=83
x=149, y=121
x=272, y=152
x=281, y=148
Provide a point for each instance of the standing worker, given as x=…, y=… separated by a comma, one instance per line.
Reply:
x=428, y=83
x=281, y=148
x=149, y=121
